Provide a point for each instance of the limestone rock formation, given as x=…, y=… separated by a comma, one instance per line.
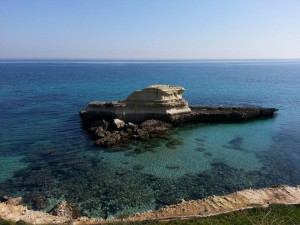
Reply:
x=162, y=102
x=152, y=111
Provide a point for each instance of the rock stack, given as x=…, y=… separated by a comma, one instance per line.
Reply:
x=163, y=102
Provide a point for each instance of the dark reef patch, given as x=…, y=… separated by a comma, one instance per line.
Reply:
x=172, y=166
x=201, y=149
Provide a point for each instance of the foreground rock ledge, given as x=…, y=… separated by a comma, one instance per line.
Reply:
x=187, y=209
x=152, y=111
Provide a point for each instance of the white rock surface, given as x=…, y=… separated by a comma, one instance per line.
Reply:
x=119, y=124
x=153, y=102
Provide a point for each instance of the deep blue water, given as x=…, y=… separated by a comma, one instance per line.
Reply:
x=46, y=155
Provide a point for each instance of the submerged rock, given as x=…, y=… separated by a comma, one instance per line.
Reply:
x=138, y=167
x=235, y=143
x=172, y=166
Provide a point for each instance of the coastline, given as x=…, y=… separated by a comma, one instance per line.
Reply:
x=209, y=206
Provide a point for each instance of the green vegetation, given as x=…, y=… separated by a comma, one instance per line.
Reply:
x=273, y=215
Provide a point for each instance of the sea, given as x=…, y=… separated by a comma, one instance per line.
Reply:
x=46, y=155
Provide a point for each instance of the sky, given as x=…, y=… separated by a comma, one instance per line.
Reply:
x=150, y=29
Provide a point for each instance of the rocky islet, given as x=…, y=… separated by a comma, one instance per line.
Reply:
x=151, y=112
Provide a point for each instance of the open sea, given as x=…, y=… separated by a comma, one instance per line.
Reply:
x=46, y=156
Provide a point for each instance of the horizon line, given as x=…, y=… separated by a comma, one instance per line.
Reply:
x=142, y=59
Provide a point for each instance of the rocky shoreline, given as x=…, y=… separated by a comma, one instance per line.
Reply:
x=214, y=205
x=151, y=112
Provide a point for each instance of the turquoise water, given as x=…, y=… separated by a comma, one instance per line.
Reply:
x=46, y=155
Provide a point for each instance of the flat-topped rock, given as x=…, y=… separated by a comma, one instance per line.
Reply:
x=207, y=114
x=163, y=102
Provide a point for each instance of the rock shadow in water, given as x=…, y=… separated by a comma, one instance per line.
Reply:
x=173, y=143
x=138, y=167
x=235, y=143
x=172, y=166
x=208, y=154
x=201, y=149
x=200, y=139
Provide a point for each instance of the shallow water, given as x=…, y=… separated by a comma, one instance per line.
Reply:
x=46, y=156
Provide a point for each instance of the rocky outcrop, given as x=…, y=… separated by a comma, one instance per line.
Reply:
x=163, y=102
x=119, y=132
x=150, y=112
x=64, y=209
x=187, y=209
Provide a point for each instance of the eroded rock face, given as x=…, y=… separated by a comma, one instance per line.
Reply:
x=162, y=102
x=156, y=99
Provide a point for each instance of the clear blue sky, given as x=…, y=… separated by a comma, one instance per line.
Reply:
x=149, y=29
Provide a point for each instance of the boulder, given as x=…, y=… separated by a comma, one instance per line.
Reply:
x=109, y=139
x=11, y=201
x=100, y=132
x=118, y=124
x=64, y=209
x=156, y=126
x=132, y=126
x=143, y=134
